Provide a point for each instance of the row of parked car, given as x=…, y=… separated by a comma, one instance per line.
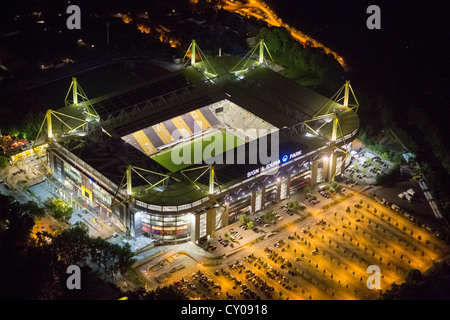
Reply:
x=375, y=170
x=286, y=209
x=223, y=242
x=261, y=221
x=324, y=194
x=236, y=234
x=350, y=182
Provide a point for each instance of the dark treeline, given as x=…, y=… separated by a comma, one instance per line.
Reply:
x=35, y=267
x=430, y=285
x=303, y=60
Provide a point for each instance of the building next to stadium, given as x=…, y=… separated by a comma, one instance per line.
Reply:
x=117, y=150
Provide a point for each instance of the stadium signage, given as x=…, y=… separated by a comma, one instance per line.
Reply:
x=272, y=164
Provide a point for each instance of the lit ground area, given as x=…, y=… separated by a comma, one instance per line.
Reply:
x=324, y=256
x=166, y=270
x=219, y=141
x=418, y=205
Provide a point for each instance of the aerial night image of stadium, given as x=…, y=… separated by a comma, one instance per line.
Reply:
x=224, y=157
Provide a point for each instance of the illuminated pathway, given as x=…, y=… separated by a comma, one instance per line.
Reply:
x=261, y=11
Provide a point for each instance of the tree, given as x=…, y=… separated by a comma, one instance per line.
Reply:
x=294, y=204
x=18, y=222
x=243, y=219
x=4, y=161
x=170, y=292
x=307, y=189
x=413, y=275
x=422, y=286
x=58, y=209
x=269, y=216
x=208, y=6
x=72, y=245
x=250, y=224
x=34, y=209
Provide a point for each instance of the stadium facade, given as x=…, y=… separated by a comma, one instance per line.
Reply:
x=117, y=150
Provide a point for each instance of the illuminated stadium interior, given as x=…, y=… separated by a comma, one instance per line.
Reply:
x=216, y=124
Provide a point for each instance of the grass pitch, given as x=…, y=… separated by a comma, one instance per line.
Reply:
x=190, y=152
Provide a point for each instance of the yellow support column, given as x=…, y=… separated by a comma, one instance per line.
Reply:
x=346, y=93
x=129, y=186
x=49, y=124
x=75, y=91
x=331, y=165
x=261, y=51
x=193, y=47
x=211, y=179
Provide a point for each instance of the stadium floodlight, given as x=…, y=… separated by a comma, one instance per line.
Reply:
x=192, y=50
x=240, y=68
x=79, y=99
x=328, y=113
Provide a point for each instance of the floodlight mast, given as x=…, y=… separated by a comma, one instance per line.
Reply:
x=240, y=68
x=261, y=51
x=67, y=121
x=193, y=49
x=211, y=179
x=129, y=183
x=77, y=92
x=346, y=89
x=48, y=117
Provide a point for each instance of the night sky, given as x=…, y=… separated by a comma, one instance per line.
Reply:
x=407, y=60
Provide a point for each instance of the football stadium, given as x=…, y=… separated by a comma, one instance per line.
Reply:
x=189, y=151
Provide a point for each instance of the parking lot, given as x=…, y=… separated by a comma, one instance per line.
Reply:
x=324, y=256
x=364, y=168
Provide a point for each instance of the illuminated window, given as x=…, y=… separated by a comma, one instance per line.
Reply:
x=202, y=225
x=283, y=189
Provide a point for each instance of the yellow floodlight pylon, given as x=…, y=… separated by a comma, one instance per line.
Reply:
x=328, y=114
x=261, y=46
x=77, y=98
x=192, y=51
x=63, y=125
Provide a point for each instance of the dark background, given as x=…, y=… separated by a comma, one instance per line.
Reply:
x=406, y=61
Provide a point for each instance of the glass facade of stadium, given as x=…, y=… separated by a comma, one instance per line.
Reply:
x=191, y=221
